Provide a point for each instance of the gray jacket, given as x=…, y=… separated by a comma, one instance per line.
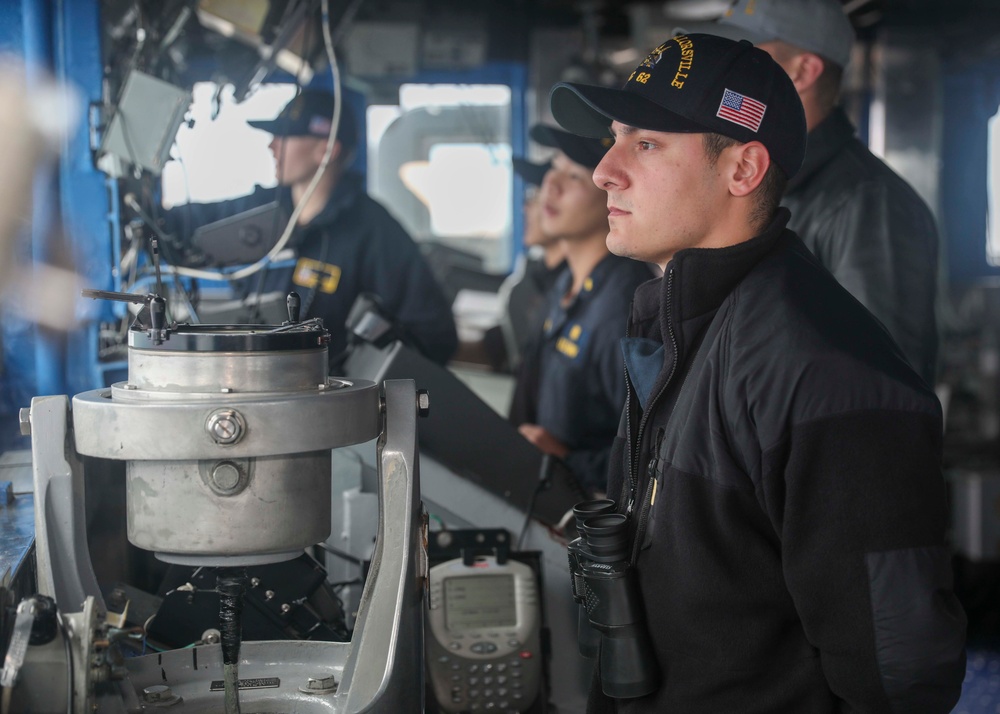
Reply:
x=871, y=230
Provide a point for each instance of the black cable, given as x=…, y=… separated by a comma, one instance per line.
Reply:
x=544, y=478
x=341, y=554
x=343, y=583
x=231, y=584
x=254, y=316
x=169, y=240
x=527, y=517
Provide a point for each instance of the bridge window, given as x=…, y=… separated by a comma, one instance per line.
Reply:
x=440, y=162
x=220, y=156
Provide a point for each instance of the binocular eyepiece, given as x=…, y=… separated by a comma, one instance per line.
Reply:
x=612, y=623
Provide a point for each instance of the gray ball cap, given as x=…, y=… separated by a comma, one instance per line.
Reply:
x=817, y=26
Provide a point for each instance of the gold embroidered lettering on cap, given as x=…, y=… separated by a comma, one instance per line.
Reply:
x=686, y=46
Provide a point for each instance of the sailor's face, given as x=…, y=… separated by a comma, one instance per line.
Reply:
x=533, y=233
x=661, y=193
x=572, y=207
x=295, y=158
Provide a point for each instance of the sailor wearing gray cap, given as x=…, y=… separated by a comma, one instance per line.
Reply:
x=817, y=26
x=864, y=223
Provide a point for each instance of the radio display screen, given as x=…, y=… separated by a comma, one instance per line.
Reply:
x=474, y=602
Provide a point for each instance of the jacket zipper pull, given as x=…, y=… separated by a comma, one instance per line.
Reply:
x=654, y=459
x=657, y=443
x=654, y=462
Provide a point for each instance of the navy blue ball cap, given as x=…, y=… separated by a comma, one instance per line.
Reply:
x=310, y=113
x=697, y=84
x=579, y=148
x=532, y=173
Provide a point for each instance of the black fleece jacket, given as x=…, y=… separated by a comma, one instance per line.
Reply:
x=788, y=506
x=352, y=246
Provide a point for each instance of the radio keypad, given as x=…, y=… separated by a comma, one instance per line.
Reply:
x=499, y=692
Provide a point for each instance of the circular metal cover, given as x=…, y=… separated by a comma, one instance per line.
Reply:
x=233, y=338
x=173, y=430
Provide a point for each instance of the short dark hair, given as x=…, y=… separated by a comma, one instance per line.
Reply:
x=767, y=196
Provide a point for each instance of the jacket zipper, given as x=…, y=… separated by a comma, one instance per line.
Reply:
x=654, y=460
x=654, y=463
x=633, y=450
x=628, y=422
x=647, y=501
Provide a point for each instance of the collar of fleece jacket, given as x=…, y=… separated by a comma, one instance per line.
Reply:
x=701, y=279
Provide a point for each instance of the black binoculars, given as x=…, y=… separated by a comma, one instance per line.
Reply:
x=612, y=625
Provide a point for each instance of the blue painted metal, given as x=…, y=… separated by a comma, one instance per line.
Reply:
x=12, y=28
x=38, y=58
x=31, y=363
x=87, y=197
x=17, y=337
x=70, y=206
x=33, y=360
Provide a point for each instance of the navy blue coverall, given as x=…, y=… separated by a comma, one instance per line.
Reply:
x=572, y=383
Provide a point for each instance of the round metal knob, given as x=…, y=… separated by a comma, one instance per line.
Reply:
x=226, y=426
x=226, y=476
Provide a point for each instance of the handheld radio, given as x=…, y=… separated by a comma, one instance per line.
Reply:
x=484, y=635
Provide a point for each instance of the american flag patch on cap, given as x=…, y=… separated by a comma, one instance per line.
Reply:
x=321, y=125
x=741, y=110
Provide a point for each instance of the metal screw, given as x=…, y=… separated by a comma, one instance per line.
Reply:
x=157, y=693
x=423, y=402
x=24, y=416
x=268, y=594
x=254, y=582
x=225, y=426
x=211, y=637
x=286, y=608
x=320, y=685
